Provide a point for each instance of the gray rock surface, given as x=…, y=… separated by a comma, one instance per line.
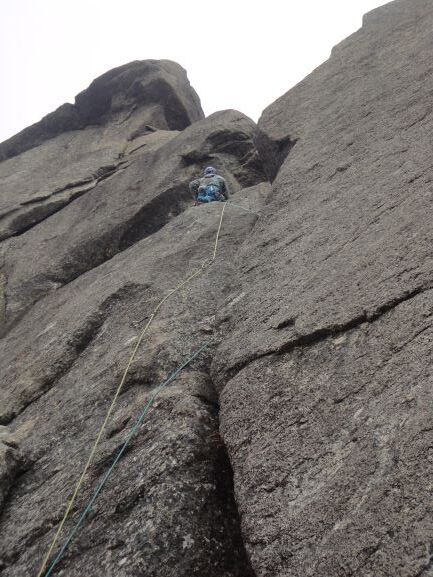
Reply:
x=140, y=195
x=63, y=159
x=325, y=370
x=170, y=509
x=318, y=374
x=10, y=462
x=83, y=266
x=130, y=97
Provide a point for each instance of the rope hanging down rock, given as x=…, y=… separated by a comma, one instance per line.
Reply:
x=205, y=265
x=139, y=420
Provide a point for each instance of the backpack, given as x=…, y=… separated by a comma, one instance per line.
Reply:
x=208, y=193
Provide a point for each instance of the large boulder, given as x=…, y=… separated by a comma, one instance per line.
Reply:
x=66, y=154
x=325, y=371
x=148, y=92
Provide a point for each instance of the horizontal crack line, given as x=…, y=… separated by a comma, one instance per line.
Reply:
x=331, y=331
x=26, y=215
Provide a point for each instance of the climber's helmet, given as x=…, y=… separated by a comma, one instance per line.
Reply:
x=209, y=171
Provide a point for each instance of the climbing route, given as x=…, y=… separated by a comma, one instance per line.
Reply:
x=200, y=270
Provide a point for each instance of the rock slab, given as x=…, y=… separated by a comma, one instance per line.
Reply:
x=83, y=267
x=326, y=372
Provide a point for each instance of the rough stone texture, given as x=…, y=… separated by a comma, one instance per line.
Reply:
x=326, y=370
x=66, y=155
x=347, y=217
x=141, y=195
x=45, y=179
x=64, y=328
x=10, y=462
x=332, y=451
x=169, y=510
x=97, y=227
x=319, y=311
x=132, y=96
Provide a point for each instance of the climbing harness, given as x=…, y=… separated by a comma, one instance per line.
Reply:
x=205, y=265
x=117, y=458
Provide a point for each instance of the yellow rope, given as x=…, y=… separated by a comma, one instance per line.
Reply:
x=206, y=264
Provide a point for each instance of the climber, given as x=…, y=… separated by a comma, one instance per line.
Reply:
x=210, y=188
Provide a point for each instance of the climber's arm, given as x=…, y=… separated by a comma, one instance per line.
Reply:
x=224, y=189
x=193, y=188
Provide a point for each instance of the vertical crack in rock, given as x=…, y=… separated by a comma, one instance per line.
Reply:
x=225, y=491
x=329, y=430
x=170, y=509
x=273, y=152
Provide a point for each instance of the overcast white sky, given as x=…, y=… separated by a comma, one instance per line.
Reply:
x=238, y=54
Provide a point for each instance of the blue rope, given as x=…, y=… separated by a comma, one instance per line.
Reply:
x=132, y=432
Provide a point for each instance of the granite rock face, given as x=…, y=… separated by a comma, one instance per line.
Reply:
x=299, y=442
x=10, y=462
x=169, y=509
x=83, y=266
x=67, y=153
x=147, y=188
x=326, y=369
x=141, y=93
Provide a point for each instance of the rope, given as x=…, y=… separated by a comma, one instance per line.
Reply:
x=206, y=264
x=243, y=207
x=117, y=458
